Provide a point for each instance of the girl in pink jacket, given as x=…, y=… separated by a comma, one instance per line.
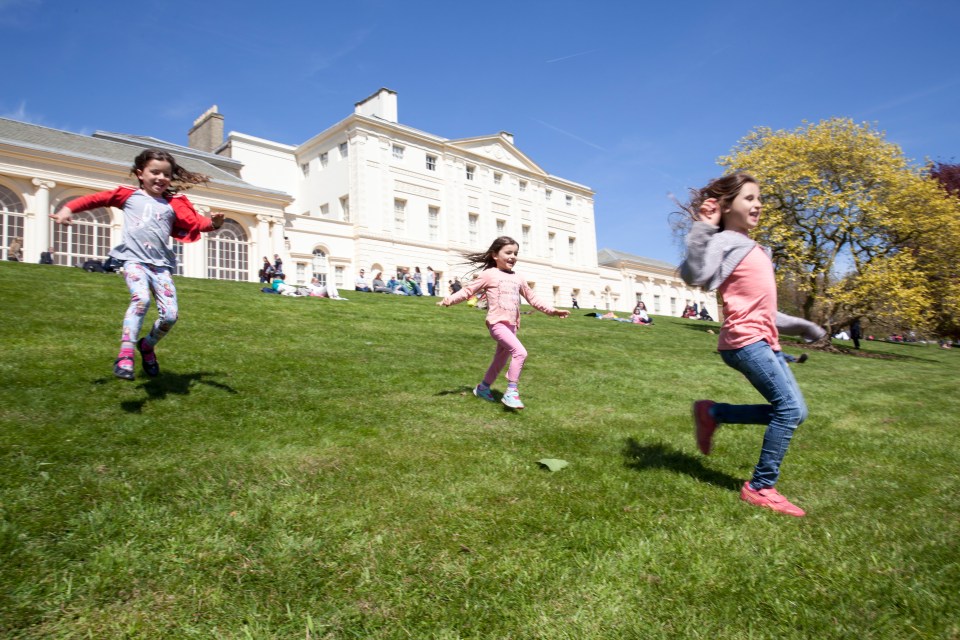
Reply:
x=503, y=287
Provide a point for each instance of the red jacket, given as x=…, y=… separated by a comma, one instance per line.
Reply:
x=186, y=228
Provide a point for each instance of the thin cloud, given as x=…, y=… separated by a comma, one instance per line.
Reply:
x=322, y=61
x=911, y=97
x=572, y=55
x=21, y=114
x=571, y=135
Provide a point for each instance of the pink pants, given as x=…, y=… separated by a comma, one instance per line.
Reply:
x=507, y=346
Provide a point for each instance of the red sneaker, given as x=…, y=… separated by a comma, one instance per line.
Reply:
x=703, y=425
x=771, y=499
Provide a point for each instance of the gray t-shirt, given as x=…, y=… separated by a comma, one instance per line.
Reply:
x=147, y=222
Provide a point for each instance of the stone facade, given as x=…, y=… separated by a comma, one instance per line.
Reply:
x=366, y=193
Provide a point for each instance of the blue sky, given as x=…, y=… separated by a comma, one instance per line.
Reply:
x=635, y=99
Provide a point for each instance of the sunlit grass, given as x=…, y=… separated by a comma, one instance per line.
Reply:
x=312, y=468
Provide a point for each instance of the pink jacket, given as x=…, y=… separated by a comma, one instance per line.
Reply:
x=186, y=228
x=503, y=290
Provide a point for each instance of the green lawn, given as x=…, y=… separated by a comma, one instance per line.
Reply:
x=306, y=468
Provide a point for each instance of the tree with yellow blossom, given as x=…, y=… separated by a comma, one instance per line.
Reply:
x=856, y=230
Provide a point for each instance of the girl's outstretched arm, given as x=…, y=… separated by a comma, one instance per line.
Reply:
x=539, y=305
x=792, y=326
x=466, y=292
x=63, y=216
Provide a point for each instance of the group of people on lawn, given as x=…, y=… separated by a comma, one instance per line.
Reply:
x=404, y=283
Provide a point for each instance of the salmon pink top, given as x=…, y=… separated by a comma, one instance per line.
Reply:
x=750, y=303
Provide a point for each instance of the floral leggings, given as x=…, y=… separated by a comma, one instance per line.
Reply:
x=141, y=280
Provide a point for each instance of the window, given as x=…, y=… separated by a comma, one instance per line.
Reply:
x=572, y=248
x=471, y=170
x=177, y=249
x=552, y=244
x=345, y=209
x=397, y=152
x=227, y=252
x=324, y=159
x=433, y=215
x=399, y=213
x=673, y=306
x=569, y=200
x=344, y=150
x=501, y=225
x=497, y=178
x=11, y=218
x=523, y=186
x=431, y=163
x=305, y=168
x=88, y=238
x=548, y=193
x=472, y=223
x=656, y=304
x=301, y=273
x=525, y=236
x=325, y=210
x=338, y=277
x=320, y=266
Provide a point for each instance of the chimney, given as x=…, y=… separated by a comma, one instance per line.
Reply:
x=207, y=131
x=382, y=104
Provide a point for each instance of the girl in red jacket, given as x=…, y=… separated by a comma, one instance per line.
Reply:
x=151, y=214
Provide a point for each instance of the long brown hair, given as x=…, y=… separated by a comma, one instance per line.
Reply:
x=485, y=260
x=724, y=189
x=180, y=177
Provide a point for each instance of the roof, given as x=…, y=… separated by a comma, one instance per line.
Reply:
x=610, y=257
x=120, y=150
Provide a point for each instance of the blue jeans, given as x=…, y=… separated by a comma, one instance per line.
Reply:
x=769, y=374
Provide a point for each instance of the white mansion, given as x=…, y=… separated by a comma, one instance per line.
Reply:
x=366, y=193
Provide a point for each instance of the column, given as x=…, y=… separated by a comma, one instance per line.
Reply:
x=41, y=223
x=262, y=244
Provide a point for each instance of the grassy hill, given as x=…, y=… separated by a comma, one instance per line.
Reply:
x=319, y=469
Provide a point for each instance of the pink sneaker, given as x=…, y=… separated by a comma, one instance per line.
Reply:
x=703, y=425
x=771, y=499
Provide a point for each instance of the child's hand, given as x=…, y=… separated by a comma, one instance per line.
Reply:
x=64, y=216
x=440, y=304
x=217, y=219
x=561, y=313
x=710, y=211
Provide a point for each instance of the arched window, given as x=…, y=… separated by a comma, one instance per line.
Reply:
x=227, y=252
x=320, y=266
x=87, y=238
x=11, y=218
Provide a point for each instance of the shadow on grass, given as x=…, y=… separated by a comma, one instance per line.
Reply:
x=468, y=391
x=660, y=456
x=460, y=391
x=172, y=383
x=704, y=328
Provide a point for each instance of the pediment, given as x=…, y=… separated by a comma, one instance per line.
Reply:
x=498, y=149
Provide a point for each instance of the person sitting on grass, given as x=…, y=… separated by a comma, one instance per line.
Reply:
x=379, y=286
x=282, y=287
x=410, y=286
x=640, y=315
x=361, y=284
